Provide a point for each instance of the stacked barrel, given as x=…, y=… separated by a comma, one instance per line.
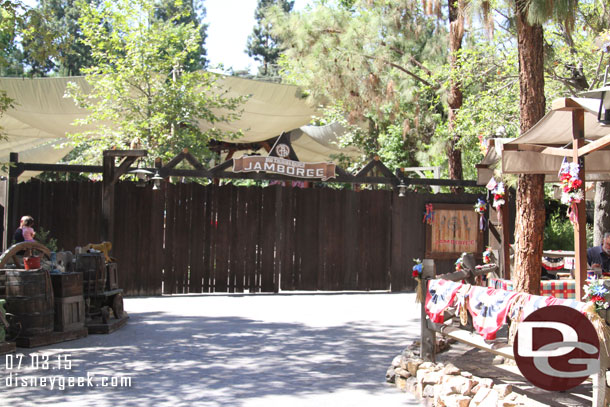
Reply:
x=29, y=298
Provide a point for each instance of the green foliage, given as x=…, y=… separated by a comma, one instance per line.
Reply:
x=43, y=237
x=138, y=92
x=558, y=233
x=189, y=12
x=25, y=39
x=369, y=64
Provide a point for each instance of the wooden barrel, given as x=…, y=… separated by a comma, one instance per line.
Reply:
x=93, y=267
x=29, y=297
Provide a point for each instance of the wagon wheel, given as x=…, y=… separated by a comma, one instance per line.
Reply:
x=10, y=255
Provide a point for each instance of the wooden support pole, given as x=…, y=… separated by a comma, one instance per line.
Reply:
x=108, y=170
x=505, y=224
x=428, y=336
x=580, y=227
x=13, y=202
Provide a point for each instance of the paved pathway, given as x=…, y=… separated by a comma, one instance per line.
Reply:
x=290, y=349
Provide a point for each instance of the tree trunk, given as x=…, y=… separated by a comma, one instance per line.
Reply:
x=455, y=97
x=601, y=216
x=529, y=224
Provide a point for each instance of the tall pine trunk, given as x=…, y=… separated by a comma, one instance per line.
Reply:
x=455, y=97
x=529, y=227
x=601, y=216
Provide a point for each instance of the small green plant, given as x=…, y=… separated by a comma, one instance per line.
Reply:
x=42, y=236
x=558, y=233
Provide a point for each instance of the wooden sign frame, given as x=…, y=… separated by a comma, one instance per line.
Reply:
x=466, y=219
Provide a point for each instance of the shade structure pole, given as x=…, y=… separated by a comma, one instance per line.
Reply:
x=580, y=226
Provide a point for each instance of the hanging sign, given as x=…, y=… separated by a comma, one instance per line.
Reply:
x=282, y=160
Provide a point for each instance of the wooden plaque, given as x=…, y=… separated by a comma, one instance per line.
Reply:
x=455, y=230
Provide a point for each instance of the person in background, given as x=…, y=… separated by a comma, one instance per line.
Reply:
x=27, y=229
x=18, y=235
x=598, y=257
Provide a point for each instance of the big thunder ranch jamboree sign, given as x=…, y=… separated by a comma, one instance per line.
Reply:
x=283, y=160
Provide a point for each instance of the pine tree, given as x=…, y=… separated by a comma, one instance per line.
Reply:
x=262, y=45
x=190, y=12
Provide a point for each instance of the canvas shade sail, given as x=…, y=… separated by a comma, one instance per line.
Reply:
x=42, y=117
x=555, y=130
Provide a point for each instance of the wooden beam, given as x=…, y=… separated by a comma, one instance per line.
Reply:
x=123, y=168
x=473, y=339
x=565, y=104
x=60, y=167
x=580, y=238
x=125, y=153
x=193, y=161
x=594, y=146
x=175, y=161
x=562, y=152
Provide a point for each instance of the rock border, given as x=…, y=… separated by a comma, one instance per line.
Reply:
x=445, y=385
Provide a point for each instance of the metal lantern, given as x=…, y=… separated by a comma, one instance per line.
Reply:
x=156, y=179
x=402, y=189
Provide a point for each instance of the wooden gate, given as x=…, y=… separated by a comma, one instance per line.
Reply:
x=189, y=238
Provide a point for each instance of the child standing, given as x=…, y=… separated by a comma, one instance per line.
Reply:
x=27, y=229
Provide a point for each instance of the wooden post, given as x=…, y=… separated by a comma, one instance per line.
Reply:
x=428, y=336
x=504, y=219
x=580, y=230
x=108, y=197
x=111, y=175
x=280, y=219
x=13, y=202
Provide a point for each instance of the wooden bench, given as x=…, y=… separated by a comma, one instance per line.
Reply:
x=467, y=336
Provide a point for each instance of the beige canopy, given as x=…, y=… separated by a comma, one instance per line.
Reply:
x=524, y=155
x=42, y=117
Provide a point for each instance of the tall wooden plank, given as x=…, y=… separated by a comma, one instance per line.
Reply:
x=233, y=248
x=253, y=244
x=156, y=238
x=181, y=254
x=287, y=276
x=350, y=231
x=307, y=247
x=223, y=231
x=399, y=263
x=197, y=239
x=267, y=241
x=168, y=270
x=213, y=197
x=280, y=223
x=240, y=233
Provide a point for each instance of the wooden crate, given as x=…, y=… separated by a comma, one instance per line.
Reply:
x=67, y=284
x=69, y=313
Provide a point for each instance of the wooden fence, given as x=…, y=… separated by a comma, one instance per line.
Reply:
x=188, y=238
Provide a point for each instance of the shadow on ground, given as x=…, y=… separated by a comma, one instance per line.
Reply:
x=200, y=360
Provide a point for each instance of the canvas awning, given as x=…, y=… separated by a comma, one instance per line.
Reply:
x=42, y=117
x=524, y=155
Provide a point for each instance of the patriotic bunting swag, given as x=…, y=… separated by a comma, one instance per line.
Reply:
x=489, y=308
x=441, y=295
